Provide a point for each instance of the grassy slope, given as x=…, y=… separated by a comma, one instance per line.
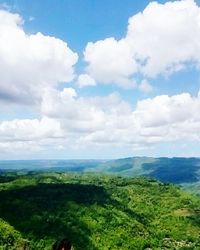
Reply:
x=99, y=212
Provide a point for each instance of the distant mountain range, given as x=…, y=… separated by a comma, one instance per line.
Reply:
x=183, y=171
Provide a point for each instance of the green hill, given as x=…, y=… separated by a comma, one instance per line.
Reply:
x=133, y=166
x=177, y=170
x=10, y=238
x=182, y=171
x=96, y=212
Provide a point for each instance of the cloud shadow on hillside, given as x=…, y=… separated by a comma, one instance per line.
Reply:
x=174, y=170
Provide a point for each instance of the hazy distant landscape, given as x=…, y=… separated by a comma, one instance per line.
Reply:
x=180, y=171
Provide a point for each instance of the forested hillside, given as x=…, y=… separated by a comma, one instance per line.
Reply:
x=96, y=212
x=177, y=170
x=174, y=170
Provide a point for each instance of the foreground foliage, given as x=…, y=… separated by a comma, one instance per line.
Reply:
x=96, y=212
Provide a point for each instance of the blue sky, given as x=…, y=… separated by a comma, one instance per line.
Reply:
x=78, y=22
x=99, y=79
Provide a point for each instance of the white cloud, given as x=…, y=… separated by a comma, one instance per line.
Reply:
x=72, y=120
x=85, y=80
x=110, y=119
x=26, y=136
x=145, y=86
x=30, y=62
x=77, y=115
x=110, y=61
x=165, y=36
x=29, y=129
x=164, y=110
x=162, y=39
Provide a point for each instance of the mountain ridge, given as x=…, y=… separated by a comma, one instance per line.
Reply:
x=177, y=170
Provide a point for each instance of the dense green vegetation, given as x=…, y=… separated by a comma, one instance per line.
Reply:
x=96, y=212
x=10, y=238
x=182, y=171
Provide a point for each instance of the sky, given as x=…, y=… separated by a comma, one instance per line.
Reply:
x=99, y=79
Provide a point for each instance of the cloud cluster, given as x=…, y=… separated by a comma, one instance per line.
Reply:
x=30, y=62
x=29, y=130
x=108, y=120
x=157, y=120
x=66, y=118
x=29, y=135
x=162, y=39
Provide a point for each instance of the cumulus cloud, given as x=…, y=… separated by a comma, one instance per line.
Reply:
x=26, y=136
x=77, y=114
x=110, y=61
x=158, y=120
x=158, y=41
x=165, y=110
x=162, y=39
x=30, y=62
x=85, y=80
x=111, y=120
x=29, y=129
x=69, y=118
